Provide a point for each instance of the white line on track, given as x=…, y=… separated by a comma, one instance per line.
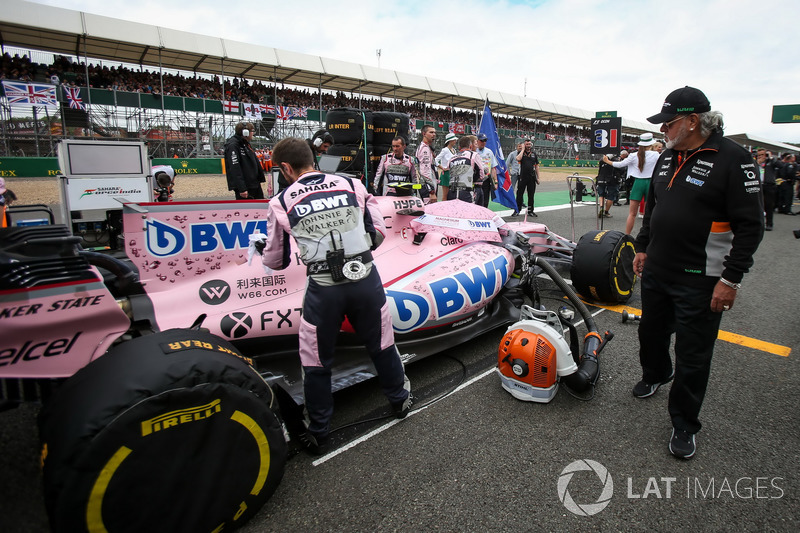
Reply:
x=413, y=412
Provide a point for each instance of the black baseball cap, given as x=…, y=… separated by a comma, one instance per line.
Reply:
x=682, y=101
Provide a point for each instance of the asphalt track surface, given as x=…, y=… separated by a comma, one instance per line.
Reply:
x=479, y=460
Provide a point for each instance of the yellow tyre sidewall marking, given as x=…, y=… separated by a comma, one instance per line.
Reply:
x=94, y=509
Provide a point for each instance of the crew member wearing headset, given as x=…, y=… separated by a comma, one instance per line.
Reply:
x=396, y=167
x=319, y=144
x=336, y=224
x=242, y=168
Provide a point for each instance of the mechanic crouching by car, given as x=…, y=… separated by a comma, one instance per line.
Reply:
x=336, y=224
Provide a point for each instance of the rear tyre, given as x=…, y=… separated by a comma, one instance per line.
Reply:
x=602, y=266
x=170, y=432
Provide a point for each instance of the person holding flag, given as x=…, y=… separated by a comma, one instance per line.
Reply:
x=504, y=192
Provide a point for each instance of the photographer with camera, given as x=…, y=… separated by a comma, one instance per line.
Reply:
x=163, y=182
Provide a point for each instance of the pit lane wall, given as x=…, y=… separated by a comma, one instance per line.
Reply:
x=40, y=167
x=37, y=167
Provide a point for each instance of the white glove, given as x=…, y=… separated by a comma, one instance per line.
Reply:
x=257, y=243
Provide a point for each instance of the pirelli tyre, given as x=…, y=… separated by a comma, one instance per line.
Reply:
x=602, y=266
x=388, y=125
x=347, y=125
x=352, y=157
x=170, y=432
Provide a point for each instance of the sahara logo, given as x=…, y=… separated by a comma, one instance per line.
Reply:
x=585, y=509
x=163, y=240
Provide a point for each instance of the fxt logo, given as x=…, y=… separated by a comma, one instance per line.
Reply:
x=163, y=240
x=236, y=325
x=215, y=292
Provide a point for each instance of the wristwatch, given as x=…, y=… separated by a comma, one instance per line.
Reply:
x=734, y=286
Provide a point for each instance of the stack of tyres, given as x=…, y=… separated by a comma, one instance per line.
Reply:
x=348, y=124
x=352, y=130
x=388, y=125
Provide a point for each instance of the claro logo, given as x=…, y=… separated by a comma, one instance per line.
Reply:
x=163, y=240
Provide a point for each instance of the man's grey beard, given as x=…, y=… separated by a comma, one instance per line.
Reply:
x=680, y=137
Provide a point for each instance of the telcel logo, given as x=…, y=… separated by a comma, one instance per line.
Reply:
x=163, y=240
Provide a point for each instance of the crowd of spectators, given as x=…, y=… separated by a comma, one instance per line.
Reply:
x=64, y=70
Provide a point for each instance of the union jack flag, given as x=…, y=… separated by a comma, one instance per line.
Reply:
x=230, y=106
x=283, y=112
x=298, y=112
x=30, y=93
x=268, y=109
x=74, y=97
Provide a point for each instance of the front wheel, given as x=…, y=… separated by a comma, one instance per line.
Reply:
x=169, y=432
x=602, y=266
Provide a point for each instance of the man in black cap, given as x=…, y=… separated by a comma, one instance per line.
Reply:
x=702, y=224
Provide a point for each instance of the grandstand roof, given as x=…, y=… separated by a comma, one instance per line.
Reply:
x=65, y=31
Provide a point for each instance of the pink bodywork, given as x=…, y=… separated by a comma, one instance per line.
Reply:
x=192, y=260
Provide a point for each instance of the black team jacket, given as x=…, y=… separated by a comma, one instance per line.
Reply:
x=704, y=215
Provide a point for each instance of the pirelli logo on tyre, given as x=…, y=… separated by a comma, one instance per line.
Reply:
x=181, y=416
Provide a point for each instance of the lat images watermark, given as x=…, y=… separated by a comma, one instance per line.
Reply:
x=663, y=487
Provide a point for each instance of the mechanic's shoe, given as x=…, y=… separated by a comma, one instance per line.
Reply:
x=401, y=410
x=645, y=390
x=768, y=228
x=316, y=444
x=681, y=444
x=607, y=215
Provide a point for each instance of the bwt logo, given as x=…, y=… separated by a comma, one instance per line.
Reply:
x=451, y=294
x=585, y=509
x=163, y=240
x=480, y=224
x=321, y=204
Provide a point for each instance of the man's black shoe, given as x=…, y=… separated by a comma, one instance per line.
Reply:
x=532, y=214
x=401, y=410
x=768, y=228
x=682, y=444
x=645, y=390
x=316, y=444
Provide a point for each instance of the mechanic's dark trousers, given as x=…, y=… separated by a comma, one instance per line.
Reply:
x=770, y=195
x=785, y=192
x=465, y=195
x=486, y=192
x=364, y=304
x=526, y=184
x=686, y=311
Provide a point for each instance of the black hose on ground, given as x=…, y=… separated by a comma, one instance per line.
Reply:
x=589, y=367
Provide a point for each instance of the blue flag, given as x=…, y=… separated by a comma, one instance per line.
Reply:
x=505, y=193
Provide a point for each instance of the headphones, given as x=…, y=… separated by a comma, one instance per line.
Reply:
x=245, y=132
x=321, y=137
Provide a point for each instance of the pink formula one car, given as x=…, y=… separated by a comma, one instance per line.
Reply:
x=161, y=370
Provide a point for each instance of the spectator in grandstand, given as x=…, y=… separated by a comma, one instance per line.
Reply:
x=484, y=193
x=243, y=170
x=427, y=165
x=640, y=166
x=528, y=177
x=443, y=162
x=466, y=170
x=394, y=169
x=702, y=225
